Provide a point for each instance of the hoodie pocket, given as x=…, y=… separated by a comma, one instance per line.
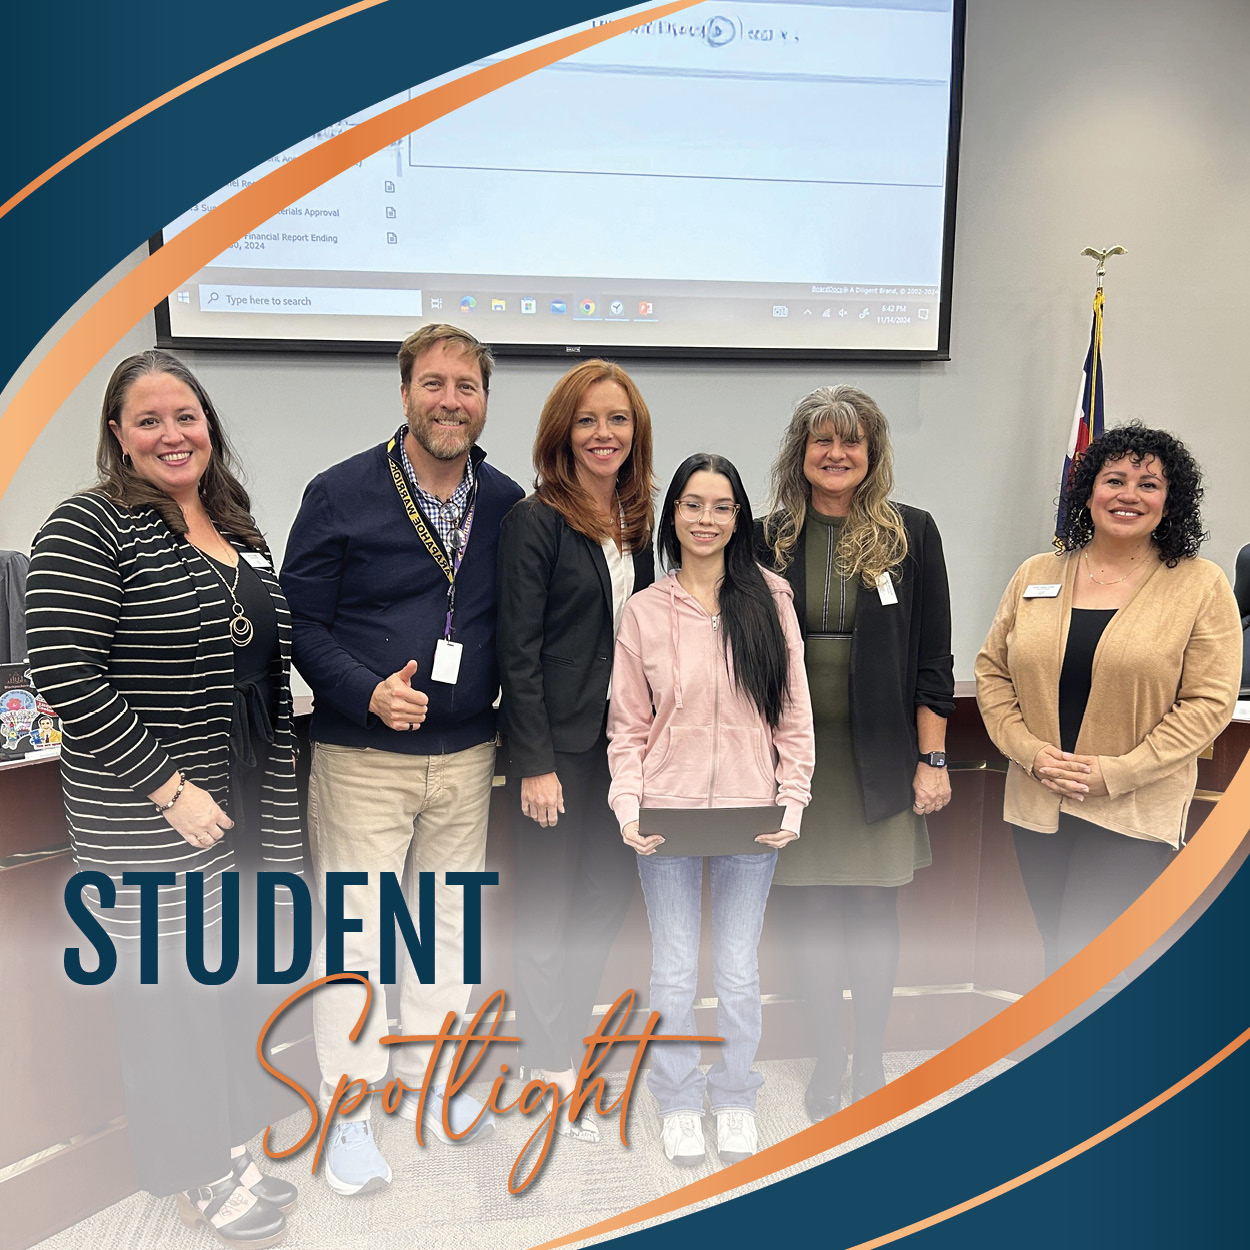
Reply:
x=744, y=769
x=681, y=765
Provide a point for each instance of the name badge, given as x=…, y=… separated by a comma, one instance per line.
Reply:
x=885, y=589
x=447, y=661
x=255, y=559
x=1042, y=590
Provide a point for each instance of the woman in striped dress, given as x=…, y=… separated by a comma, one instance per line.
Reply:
x=158, y=631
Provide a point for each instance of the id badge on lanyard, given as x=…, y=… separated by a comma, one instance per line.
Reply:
x=447, y=654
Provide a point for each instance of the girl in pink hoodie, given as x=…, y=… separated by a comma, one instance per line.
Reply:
x=709, y=709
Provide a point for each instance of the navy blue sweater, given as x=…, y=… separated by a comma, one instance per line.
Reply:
x=366, y=597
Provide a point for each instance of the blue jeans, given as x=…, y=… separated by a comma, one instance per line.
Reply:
x=673, y=888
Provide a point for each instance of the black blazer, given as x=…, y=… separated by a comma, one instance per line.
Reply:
x=900, y=659
x=554, y=639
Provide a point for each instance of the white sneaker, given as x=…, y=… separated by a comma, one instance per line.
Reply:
x=682, y=1139
x=736, y=1137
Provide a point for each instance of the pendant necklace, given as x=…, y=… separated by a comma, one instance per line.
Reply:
x=241, y=628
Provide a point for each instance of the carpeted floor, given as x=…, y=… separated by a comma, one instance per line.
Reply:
x=445, y=1196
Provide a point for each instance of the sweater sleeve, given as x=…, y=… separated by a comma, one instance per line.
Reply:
x=996, y=692
x=527, y=555
x=935, y=669
x=1205, y=697
x=73, y=604
x=316, y=554
x=629, y=721
x=794, y=737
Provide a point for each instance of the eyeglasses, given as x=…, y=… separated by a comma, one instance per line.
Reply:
x=693, y=510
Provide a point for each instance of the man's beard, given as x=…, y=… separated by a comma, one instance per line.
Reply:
x=442, y=445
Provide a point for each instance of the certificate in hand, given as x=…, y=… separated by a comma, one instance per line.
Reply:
x=710, y=830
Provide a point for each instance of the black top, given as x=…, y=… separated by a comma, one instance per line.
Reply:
x=255, y=702
x=555, y=636
x=1084, y=631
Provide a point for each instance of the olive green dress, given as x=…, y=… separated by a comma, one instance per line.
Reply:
x=837, y=846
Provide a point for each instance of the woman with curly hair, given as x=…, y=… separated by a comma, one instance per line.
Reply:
x=869, y=580
x=1109, y=667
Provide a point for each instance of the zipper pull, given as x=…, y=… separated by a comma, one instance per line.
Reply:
x=716, y=621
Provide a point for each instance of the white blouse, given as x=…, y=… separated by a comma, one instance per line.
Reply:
x=621, y=573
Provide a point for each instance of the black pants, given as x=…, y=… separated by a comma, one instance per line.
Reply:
x=573, y=885
x=194, y=1087
x=844, y=936
x=1080, y=878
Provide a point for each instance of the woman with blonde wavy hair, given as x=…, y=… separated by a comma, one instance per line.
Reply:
x=869, y=583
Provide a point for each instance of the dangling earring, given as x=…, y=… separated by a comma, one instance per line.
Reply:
x=1162, y=530
x=126, y=460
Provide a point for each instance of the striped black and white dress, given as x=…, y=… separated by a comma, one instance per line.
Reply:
x=128, y=633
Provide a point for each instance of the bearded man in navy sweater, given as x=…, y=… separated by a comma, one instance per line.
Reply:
x=390, y=574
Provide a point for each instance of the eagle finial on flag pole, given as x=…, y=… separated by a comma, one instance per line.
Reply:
x=1087, y=420
x=1101, y=258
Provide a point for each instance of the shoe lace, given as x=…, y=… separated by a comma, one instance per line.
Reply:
x=733, y=1123
x=355, y=1135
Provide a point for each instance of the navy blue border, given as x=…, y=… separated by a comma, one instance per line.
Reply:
x=1173, y=1177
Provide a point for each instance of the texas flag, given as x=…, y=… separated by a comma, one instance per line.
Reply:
x=1088, y=417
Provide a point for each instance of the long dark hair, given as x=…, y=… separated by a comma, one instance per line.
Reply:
x=1180, y=533
x=223, y=495
x=750, y=628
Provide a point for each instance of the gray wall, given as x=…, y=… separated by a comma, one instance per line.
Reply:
x=1084, y=123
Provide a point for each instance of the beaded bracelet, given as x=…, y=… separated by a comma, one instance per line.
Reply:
x=182, y=785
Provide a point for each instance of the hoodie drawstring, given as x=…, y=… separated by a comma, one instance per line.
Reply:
x=675, y=626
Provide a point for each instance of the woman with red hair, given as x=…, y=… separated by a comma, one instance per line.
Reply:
x=569, y=556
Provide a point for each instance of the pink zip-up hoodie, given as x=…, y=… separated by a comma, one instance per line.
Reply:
x=682, y=734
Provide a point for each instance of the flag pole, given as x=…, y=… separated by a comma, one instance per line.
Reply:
x=1087, y=419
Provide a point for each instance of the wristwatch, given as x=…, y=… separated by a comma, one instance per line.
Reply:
x=935, y=759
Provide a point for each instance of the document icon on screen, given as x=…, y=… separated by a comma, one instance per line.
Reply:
x=557, y=306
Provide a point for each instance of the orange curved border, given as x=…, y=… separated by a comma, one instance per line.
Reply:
x=1033, y=1173
x=161, y=100
x=134, y=296
x=1143, y=924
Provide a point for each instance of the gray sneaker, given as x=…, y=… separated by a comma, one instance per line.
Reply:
x=353, y=1162
x=461, y=1112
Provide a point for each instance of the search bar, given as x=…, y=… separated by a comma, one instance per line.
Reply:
x=323, y=301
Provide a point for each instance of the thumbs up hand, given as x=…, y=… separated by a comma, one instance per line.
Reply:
x=396, y=704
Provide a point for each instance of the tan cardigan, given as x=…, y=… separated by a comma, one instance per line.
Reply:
x=1164, y=684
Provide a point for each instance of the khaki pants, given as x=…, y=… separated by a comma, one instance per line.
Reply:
x=380, y=811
